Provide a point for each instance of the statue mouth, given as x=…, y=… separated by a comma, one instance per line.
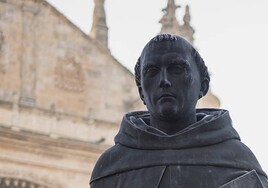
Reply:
x=166, y=96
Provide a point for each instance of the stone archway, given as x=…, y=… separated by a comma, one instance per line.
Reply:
x=11, y=182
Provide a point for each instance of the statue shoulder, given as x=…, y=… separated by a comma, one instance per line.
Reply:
x=109, y=162
x=241, y=156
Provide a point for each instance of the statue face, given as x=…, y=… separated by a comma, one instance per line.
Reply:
x=170, y=80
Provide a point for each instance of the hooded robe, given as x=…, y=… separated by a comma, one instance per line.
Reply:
x=206, y=154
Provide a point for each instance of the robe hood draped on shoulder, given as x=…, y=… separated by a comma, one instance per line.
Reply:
x=211, y=141
x=214, y=126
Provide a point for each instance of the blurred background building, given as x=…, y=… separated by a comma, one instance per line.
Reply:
x=62, y=93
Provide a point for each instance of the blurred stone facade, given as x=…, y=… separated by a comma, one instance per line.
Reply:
x=62, y=96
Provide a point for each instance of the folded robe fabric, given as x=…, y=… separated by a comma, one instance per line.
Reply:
x=206, y=154
x=250, y=179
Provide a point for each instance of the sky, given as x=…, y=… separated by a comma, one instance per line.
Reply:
x=231, y=36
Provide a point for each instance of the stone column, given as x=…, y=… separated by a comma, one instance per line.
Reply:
x=28, y=64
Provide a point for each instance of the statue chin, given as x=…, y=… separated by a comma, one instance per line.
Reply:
x=168, y=112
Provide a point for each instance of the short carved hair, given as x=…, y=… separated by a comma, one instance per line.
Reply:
x=204, y=75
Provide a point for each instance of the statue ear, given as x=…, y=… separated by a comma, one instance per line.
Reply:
x=204, y=88
x=141, y=94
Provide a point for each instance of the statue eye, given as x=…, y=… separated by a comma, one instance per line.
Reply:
x=151, y=70
x=177, y=68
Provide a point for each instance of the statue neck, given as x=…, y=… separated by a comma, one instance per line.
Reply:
x=172, y=126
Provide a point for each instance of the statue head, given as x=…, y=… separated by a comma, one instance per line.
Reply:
x=171, y=76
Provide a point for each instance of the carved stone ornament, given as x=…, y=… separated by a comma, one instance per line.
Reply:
x=1, y=40
x=69, y=75
x=2, y=67
x=10, y=182
x=21, y=179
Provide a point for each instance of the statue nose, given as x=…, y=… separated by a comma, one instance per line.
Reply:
x=164, y=81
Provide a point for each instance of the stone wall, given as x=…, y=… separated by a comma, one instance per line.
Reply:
x=38, y=161
x=62, y=97
x=57, y=79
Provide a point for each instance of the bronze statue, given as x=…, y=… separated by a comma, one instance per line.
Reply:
x=173, y=144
